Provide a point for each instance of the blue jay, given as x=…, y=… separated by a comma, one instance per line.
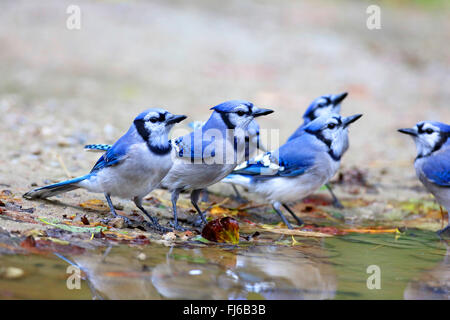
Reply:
x=131, y=168
x=300, y=166
x=211, y=152
x=432, y=163
x=326, y=104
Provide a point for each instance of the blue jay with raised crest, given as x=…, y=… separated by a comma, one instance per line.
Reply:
x=323, y=105
x=131, y=168
x=432, y=163
x=211, y=152
x=300, y=166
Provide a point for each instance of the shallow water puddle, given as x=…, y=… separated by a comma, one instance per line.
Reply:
x=411, y=265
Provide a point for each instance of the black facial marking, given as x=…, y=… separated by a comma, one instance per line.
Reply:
x=310, y=116
x=333, y=156
x=242, y=112
x=338, y=120
x=226, y=120
x=320, y=136
x=443, y=137
x=162, y=116
x=328, y=100
x=420, y=128
x=140, y=127
x=160, y=150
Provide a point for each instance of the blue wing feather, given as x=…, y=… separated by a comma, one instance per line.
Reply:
x=97, y=147
x=193, y=146
x=291, y=160
x=112, y=156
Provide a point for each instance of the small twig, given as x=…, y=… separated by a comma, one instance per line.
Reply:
x=218, y=204
x=251, y=206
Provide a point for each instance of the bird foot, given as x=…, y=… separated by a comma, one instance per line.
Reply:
x=177, y=227
x=199, y=223
x=300, y=224
x=156, y=226
x=127, y=222
x=337, y=204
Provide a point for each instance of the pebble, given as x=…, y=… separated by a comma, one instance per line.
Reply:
x=141, y=256
x=118, y=223
x=169, y=236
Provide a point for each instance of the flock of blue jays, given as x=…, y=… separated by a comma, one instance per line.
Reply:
x=144, y=158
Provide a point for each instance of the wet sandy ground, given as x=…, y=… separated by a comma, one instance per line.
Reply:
x=61, y=89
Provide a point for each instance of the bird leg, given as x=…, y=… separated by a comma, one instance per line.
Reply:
x=336, y=202
x=113, y=211
x=194, y=200
x=153, y=221
x=276, y=206
x=299, y=221
x=205, y=195
x=445, y=231
x=174, y=224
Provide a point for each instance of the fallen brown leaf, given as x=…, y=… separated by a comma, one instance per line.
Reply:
x=95, y=204
x=85, y=220
x=222, y=230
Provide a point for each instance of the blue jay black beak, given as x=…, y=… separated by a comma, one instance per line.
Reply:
x=261, y=112
x=409, y=131
x=175, y=119
x=338, y=98
x=347, y=121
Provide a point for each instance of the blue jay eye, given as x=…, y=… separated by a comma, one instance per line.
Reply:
x=153, y=119
x=240, y=113
x=331, y=126
x=429, y=131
